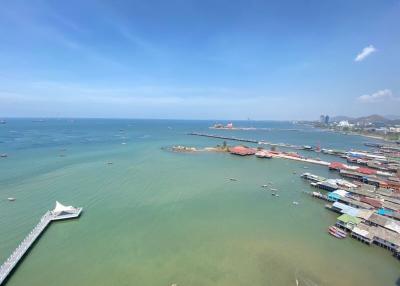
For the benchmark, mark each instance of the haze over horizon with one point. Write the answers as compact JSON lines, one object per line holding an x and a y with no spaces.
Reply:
{"x":199,"y":59}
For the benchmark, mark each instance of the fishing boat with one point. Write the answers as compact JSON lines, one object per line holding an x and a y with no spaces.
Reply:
{"x":337,"y":232}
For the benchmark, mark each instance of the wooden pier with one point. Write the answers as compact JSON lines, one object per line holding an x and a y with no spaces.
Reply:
{"x":224,"y":137}
{"x":261,"y":142}
{"x":57,"y":214}
{"x":280,"y":155}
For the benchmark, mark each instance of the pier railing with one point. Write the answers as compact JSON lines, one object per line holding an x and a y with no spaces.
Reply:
{"x":7,"y":267}
{"x":13,"y":259}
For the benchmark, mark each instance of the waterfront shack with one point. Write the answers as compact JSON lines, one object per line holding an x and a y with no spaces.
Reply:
{"x":337,"y":195}
{"x":355,"y":203}
{"x":347,"y":221}
{"x":385,"y":222}
{"x":378,"y":235}
{"x":362,"y":233}
{"x":386,"y":238}
{"x":328,"y":185}
{"x":242,"y":151}
{"x":312,"y":178}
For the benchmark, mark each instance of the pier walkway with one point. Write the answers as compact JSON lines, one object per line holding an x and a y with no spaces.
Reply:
{"x":281,"y":155}
{"x":59,"y":213}
{"x":262,"y":142}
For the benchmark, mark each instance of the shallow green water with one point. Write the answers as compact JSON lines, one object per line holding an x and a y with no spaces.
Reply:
{"x":156,"y":218}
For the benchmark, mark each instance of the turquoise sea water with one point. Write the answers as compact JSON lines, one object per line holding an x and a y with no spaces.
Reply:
{"x":155,"y":217}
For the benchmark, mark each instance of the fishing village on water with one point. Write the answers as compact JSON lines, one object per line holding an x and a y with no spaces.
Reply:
{"x":366,"y":198}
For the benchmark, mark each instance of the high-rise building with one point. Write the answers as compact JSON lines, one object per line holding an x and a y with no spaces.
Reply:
{"x":322,"y":118}
{"x":326,"y":119}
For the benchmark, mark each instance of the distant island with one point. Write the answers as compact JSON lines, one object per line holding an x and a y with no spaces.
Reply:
{"x":230,"y":126}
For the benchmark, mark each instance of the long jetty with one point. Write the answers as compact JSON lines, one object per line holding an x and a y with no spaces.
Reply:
{"x":7,"y":267}
{"x":244,"y":140}
{"x":282,"y":155}
{"x":223,"y":137}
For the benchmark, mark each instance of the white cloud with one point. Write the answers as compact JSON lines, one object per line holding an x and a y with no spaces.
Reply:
{"x":379,"y":96}
{"x":365,"y":53}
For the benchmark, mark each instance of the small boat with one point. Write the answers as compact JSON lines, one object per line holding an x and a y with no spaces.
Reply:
{"x":123,"y":143}
{"x":11,"y":199}
{"x":4,"y":155}
{"x":232,"y":179}
{"x":274,"y":190}
{"x":275,"y":194}
{"x":337,"y":232}
{"x":264,"y":186}
{"x":3,"y":122}
{"x":295,"y":203}
{"x":109,"y":163}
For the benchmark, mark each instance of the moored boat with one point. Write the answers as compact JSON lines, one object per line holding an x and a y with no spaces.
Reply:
{"x":337,"y":232}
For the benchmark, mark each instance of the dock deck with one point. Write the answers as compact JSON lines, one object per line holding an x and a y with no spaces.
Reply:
{"x":7,"y":267}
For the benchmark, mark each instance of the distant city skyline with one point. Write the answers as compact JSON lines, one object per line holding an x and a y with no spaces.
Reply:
{"x":277,"y":60}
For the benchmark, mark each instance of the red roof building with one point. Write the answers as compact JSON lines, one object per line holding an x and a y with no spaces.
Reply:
{"x":242,"y":151}
{"x":375,"y":203}
{"x":336,"y":166}
{"x":366,"y":171}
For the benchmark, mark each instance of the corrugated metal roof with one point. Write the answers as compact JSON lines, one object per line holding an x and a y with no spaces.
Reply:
{"x":346,"y":218}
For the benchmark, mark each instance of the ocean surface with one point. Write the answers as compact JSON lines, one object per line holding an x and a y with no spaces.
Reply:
{"x":155,"y":217}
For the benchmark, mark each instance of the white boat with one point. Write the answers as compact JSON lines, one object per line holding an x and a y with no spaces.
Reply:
{"x":11,"y":199}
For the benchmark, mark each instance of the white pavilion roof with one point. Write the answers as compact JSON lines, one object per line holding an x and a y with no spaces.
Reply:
{"x":59,"y":208}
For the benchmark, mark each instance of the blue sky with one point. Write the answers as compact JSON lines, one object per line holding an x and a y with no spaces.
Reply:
{"x":199,"y":59}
